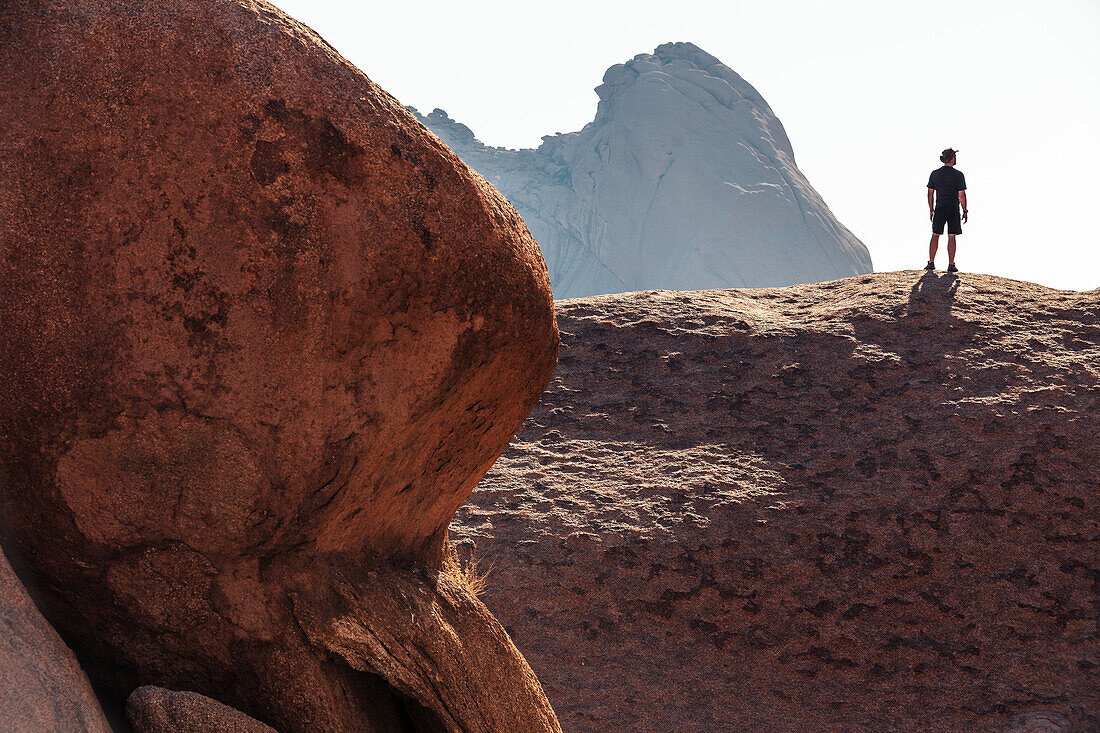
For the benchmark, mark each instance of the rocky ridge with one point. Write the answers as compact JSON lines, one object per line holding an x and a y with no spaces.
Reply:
{"x":868,"y":504}
{"x":685,"y":179}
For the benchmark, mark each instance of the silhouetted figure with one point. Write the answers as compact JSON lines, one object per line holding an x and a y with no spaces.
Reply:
{"x":948,"y":185}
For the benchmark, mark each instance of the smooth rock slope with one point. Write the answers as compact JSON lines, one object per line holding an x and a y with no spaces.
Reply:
{"x":869,"y":504}
{"x":156,"y":710}
{"x":262,"y":334}
{"x":42,"y":686}
{"x":684,"y":180}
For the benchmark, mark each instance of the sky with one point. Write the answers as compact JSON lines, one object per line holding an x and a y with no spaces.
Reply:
{"x":869,"y":92}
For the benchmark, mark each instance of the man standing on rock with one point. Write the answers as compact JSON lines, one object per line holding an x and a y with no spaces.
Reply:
{"x":949,"y":186}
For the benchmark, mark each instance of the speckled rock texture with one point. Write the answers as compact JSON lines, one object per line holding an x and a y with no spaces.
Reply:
{"x":42,"y":686}
{"x":259,"y":326}
{"x":862,"y":505}
{"x":156,"y":710}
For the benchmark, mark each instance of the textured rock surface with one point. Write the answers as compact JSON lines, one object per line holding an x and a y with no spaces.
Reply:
{"x":684,"y":180}
{"x":258,"y":325}
{"x":156,"y":710}
{"x":869,"y":504}
{"x":42,"y":687}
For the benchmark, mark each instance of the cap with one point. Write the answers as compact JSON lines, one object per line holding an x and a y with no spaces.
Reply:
{"x":947,"y":155}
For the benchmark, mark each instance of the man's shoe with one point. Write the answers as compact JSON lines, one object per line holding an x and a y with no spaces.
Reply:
{"x":930,"y":266}
{"x":952,"y":268}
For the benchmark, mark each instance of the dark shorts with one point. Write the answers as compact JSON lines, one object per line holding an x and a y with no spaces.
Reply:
{"x":949,"y":215}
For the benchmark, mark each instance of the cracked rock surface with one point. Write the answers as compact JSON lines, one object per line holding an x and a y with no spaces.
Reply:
{"x":260,"y":330}
{"x":868,"y":504}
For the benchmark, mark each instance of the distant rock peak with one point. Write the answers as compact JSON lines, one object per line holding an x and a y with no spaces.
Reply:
{"x":439,"y":118}
{"x":686,"y":51}
{"x":681,"y":53}
{"x":687,"y":63}
{"x":685,"y":179}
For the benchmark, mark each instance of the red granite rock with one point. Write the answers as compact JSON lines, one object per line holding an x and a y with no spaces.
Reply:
{"x":42,"y":686}
{"x":258,"y":323}
{"x":862,"y":505}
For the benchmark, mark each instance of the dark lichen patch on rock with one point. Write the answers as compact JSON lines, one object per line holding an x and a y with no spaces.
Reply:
{"x":284,"y":138}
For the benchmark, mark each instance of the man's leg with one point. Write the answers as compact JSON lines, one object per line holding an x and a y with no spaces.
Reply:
{"x":950,"y":249}
{"x":934,"y":245}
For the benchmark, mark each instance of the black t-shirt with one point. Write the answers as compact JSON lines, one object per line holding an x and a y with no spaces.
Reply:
{"x":947,"y":181}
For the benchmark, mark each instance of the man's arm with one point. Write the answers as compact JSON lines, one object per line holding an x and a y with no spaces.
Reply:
{"x":962,"y":201}
{"x":931,"y":207}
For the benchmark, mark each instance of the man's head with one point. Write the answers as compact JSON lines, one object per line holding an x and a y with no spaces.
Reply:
{"x":948,"y":157}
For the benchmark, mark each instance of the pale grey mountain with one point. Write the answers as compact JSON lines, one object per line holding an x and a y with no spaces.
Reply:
{"x":685,"y":180}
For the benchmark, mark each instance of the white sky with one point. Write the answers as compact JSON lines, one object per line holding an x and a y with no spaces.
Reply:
{"x":869,"y":91}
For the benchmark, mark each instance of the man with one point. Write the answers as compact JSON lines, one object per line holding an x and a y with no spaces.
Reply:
{"x":949,"y":187}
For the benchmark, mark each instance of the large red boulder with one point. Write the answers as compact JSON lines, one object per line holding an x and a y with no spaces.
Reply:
{"x":257,"y":323}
